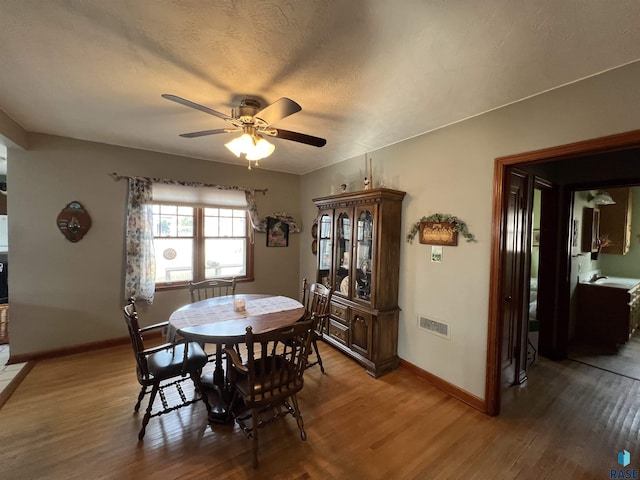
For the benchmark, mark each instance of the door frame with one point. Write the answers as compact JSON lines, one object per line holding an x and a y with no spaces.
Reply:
{"x":500,"y":182}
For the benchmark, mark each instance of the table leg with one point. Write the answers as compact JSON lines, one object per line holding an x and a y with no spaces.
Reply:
{"x":220,"y":409}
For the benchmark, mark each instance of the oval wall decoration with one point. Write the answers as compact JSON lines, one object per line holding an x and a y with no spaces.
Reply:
{"x":74,"y":222}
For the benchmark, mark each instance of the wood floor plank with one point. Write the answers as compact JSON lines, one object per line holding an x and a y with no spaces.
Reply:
{"x":72,"y":417}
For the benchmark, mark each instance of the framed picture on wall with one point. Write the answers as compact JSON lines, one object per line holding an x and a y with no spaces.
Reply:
{"x":277,"y":233}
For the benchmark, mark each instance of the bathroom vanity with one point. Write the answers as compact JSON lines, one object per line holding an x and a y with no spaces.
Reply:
{"x":608,"y":310}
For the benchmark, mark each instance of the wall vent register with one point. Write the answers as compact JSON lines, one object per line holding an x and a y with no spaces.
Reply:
{"x":436,"y":327}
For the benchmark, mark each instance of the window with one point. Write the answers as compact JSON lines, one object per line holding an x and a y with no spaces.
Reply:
{"x":197,"y":243}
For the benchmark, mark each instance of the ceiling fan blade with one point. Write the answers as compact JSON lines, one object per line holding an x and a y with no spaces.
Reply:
{"x":299,"y":137}
{"x":197,"y":106}
{"x":277,"y":111}
{"x":210,"y":132}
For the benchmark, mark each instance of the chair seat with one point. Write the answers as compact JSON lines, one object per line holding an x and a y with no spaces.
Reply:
{"x":169,"y":363}
{"x":270,"y":384}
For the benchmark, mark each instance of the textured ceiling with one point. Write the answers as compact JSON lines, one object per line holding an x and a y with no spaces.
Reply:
{"x":367,"y":73}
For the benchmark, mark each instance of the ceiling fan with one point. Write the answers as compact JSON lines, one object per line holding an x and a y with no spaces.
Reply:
{"x":254,"y":122}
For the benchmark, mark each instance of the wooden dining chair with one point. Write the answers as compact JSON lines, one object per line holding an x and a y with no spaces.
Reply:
{"x":269,"y":378}
{"x":161,"y":367}
{"x":211,"y":288}
{"x":316,"y":299}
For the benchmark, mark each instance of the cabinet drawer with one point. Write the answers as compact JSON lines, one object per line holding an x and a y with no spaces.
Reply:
{"x":338,"y":311}
{"x":339,"y":332}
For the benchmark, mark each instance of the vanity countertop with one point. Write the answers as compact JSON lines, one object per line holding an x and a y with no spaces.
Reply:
{"x":615,"y":282}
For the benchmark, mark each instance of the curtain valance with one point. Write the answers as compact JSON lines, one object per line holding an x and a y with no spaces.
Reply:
{"x":173,"y":194}
{"x":165,"y":190}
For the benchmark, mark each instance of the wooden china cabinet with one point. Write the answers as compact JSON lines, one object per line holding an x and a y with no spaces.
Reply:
{"x":359,"y":256}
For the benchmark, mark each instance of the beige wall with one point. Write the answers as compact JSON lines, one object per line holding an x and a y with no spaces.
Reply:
{"x":63,"y":293}
{"x":451,"y":171}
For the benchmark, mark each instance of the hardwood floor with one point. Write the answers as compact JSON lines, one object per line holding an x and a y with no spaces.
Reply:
{"x":625,"y":360}
{"x":72,"y":417}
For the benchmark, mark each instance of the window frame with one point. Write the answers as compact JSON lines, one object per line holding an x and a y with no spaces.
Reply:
{"x":199,"y":248}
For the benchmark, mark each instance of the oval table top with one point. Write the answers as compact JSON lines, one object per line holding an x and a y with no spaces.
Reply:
{"x":215,"y":321}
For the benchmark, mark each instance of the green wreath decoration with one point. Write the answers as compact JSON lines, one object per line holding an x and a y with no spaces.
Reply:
{"x":459,"y":226}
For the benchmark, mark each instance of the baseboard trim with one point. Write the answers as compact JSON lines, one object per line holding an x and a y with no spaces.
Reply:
{"x":448,"y":388}
{"x":6,"y":392}
{"x":71,"y":350}
{"x":61,"y":352}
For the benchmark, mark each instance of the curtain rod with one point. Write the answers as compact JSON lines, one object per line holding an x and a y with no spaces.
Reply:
{"x":117,"y":177}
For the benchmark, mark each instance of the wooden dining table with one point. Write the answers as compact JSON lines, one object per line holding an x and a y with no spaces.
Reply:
{"x":216,"y":321}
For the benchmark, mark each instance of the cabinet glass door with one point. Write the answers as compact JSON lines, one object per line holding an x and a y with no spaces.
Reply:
{"x":363,"y":255}
{"x":324,"y":250}
{"x":343,"y":254}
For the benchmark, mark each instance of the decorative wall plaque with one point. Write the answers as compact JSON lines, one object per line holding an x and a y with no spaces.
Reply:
{"x":74,"y":221}
{"x":438,"y":233}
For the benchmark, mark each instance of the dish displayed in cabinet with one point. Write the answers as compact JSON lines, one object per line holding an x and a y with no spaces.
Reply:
{"x":344,"y":285}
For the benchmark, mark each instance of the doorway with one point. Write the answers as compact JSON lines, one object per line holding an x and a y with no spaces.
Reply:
{"x":577,"y":161}
{"x":527,"y":274}
{"x":4,"y":256}
{"x":533,"y":318}
{"x":4,"y":252}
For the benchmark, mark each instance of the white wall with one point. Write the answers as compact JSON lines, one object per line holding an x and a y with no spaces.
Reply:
{"x":63,"y":294}
{"x":451,"y":171}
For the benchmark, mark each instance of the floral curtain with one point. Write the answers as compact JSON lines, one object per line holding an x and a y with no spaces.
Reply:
{"x":140,"y":258}
{"x":253,"y":211}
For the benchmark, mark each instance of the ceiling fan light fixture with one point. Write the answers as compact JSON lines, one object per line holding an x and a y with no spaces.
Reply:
{"x":241,"y":144}
{"x":253,"y":120}
{"x":261,"y":149}
{"x":252,"y":145}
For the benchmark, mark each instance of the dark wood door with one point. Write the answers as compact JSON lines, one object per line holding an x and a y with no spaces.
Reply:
{"x":552,"y":239}
{"x":514,"y":272}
